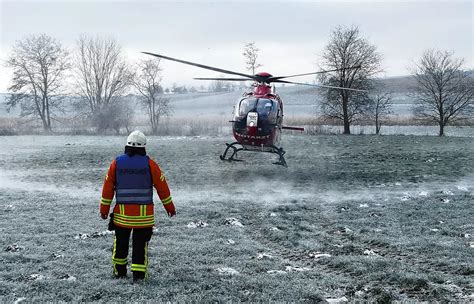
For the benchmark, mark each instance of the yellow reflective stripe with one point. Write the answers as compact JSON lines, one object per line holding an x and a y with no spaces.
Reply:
{"x":113,"y":255}
{"x":142,"y":210}
{"x":105,"y":201}
{"x":138,"y":267}
{"x":120,"y":261}
{"x":134,"y":217}
{"x":122,"y":209}
{"x":134,"y":223}
{"x":130,"y":223}
{"x":146,"y":259}
{"x":115,"y":246}
{"x":167,"y":200}
{"x":162,"y":177}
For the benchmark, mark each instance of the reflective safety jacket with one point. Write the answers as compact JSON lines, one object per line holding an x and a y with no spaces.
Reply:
{"x":131,"y":181}
{"x":133,"y":184}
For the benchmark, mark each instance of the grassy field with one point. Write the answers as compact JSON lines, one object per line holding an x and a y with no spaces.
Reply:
{"x":353,"y":218}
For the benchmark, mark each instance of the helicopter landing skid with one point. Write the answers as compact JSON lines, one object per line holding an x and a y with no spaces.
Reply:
{"x":281,"y":161}
{"x":234,"y":152}
{"x":236,"y":147}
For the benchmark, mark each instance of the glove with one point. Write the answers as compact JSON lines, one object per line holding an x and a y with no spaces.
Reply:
{"x":170,"y":209}
{"x":111,"y":223}
{"x":103,"y":216}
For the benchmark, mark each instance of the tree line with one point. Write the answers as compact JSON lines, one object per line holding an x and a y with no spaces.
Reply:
{"x":103,"y":80}
{"x":444,"y":91}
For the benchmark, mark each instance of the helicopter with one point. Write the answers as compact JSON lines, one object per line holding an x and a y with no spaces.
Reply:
{"x":257,"y":121}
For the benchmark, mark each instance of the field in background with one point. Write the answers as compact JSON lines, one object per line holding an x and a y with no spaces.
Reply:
{"x":352,"y":218}
{"x":220,"y":126}
{"x":209,"y":114}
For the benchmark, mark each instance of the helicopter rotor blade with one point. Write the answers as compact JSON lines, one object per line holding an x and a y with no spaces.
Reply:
{"x":200,"y":65}
{"x":314,"y":73}
{"x":224,"y":79}
{"x":319,"y":85}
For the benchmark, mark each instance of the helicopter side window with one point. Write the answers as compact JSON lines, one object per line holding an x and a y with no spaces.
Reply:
{"x":267,"y":109}
{"x":264,"y":107}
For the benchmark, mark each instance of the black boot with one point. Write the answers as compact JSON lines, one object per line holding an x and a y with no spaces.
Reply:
{"x":120,"y":271}
{"x":138,"y":276}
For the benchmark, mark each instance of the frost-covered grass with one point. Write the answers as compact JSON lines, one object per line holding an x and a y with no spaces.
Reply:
{"x":353,"y":218}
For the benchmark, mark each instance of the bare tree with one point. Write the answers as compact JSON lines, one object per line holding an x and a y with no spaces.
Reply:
{"x":347,"y":49}
{"x":102,"y":75}
{"x":39,"y":64}
{"x":251,"y":54}
{"x":445,"y":91}
{"x":217,"y":86}
{"x":115,"y":116}
{"x":379,"y":106}
{"x":147,"y":83}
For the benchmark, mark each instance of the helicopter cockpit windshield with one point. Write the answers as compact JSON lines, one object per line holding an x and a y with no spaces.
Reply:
{"x":266,"y":108}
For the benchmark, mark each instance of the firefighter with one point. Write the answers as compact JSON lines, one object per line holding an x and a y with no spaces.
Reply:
{"x":131,"y":178}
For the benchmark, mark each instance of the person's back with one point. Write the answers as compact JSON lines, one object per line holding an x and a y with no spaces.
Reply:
{"x":131,"y":178}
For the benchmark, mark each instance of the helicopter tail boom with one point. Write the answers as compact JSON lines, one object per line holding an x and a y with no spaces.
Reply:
{"x":293,"y":128}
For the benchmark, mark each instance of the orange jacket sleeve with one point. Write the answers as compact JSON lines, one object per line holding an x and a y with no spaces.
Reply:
{"x":108,"y":190}
{"x":160,"y":184}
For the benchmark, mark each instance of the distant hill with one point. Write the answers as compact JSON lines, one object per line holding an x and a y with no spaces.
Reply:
{"x":298,"y":101}
{"x":398,"y":84}
{"x":404,"y":84}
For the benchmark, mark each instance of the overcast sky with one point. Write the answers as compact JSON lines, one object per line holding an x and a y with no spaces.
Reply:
{"x":290,"y":35}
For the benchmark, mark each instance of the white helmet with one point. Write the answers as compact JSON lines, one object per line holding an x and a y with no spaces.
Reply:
{"x":136,"y":139}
